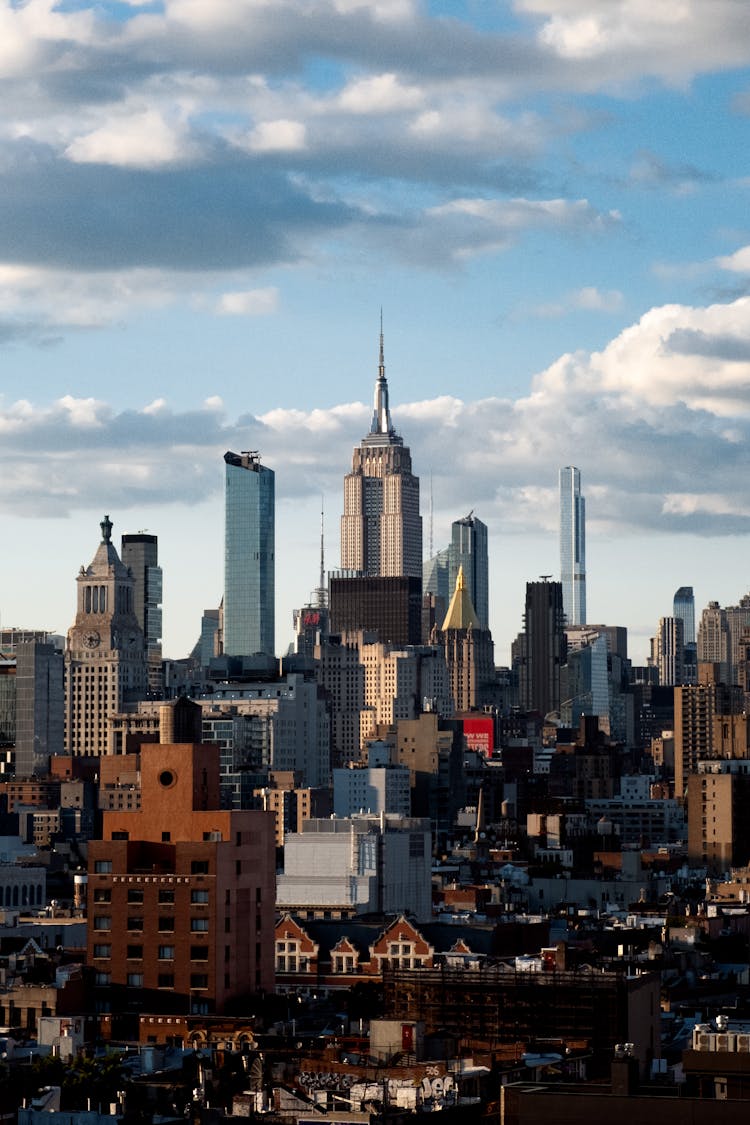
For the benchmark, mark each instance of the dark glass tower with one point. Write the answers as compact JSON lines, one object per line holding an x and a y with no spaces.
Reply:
{"x":249,"y":556}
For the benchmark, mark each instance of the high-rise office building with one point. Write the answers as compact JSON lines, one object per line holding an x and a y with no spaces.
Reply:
{"x":390,"y":607}
{"x":684,"y":608}
{"x":40,"y":707}
{"x":668,"y":651}
{"x":140,"y":552}
{"x":540,"y":651}
{"x":468,"y":649}
{"x":249,"y":556}
{"x":381,"y":528}
{"x":468,"y":553}
{"x":105,"y":656}
{"x":573,"y":546}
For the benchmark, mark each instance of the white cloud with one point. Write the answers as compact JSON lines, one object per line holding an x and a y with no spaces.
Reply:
{"x":251,"y":302}
{"x":282,"y":135}
{"x":142,"y":139}
{"x":738,"y":262}
{"x":382,"y":93}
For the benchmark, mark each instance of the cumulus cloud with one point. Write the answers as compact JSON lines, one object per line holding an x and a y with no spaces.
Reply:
{"x":642,"y":417}
{"x":251,"y":302}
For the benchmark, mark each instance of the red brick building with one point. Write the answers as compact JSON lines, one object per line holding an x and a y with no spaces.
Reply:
{"x":181,"y":894}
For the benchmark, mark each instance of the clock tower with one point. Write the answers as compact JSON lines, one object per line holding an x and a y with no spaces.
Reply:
{"x":105,"y":655}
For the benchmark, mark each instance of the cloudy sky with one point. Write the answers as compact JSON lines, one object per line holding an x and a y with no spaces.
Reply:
{"x":205,"y":203}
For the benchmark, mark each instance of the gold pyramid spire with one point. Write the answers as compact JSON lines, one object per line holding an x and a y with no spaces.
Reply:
{"x":461,"y":613}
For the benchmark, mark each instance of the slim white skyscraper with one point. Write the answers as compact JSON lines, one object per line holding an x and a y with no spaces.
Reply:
{"x":573,"y":546}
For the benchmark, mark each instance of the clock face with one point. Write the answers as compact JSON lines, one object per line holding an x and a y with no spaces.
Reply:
{"x":91,"y":639}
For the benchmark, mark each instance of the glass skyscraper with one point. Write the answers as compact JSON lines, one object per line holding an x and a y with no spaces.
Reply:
{"x":572,"y":546}
{"x":468,"y":552}
{"x":249,"y":556}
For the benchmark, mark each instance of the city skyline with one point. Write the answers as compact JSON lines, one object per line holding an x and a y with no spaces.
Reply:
{"x":205,"y":206}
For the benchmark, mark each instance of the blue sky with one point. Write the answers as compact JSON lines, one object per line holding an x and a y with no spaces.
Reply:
{"x":205,"y":203}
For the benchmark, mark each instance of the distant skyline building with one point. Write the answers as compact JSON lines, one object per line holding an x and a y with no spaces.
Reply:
{"x":573,"y":546}
{"x":669,"y":651}
{"x":39,"y":707}
{"x":105,"y":655}
{"x":683,"y":606}
{"x":140,"y":552}
{"x":468,"y":552}
{"x":381,"y":528}
{"x":249,"y":556}
{"x":540,"y":651}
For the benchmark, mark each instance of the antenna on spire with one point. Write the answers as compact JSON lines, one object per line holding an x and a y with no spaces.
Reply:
{"x":381,"y":358}
{"x":322,"y":587}
{"x":431,"y":554}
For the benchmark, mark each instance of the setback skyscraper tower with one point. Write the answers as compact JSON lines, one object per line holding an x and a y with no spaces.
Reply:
{"x":381,"y":528}
{"x":249,"y":556}
{"x":573,"y":546}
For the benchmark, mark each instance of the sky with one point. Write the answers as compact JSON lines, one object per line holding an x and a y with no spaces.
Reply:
{"x":204,"y":205}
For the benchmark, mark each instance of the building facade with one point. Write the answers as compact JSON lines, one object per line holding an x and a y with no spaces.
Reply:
{"x":181,"y":893}
{"x":140,"y":553}
{"x":39,"y":707}
{"x":573,"y":546}
{"x":381,"y":528}
{"x":249,"y":556}
{"x":105,"y":656}
{"x":469,"y":554}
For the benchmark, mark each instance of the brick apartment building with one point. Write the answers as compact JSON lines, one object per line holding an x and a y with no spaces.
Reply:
{"x":181,"y":894}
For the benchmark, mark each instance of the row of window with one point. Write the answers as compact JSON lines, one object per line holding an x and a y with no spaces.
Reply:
{"x":103,"y":951}
{"x":163,"y":980}
{"x":197,"y":867}
{"x":165,"y":897}
{"x":165,"y":925}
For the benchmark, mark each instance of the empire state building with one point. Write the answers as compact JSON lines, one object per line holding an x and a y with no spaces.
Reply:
{"x":381,"y":528}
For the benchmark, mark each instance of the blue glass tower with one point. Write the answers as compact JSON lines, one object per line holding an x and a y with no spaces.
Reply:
{"x":573,"y":546}
{"x":249,"y":556}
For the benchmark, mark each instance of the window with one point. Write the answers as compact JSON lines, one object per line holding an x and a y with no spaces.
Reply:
{"x":135,"y":980}
{"x":102,"y":922}
{"x":102,"y":951}
{"x":135,"y":953}
{"x":199,"y":896}
{"x":166,"y":837}
{"x":166,"y":897}
{"x":102,"y":895}
{"x":102,"y":866}
{"x":166,"y":923}
{"x":199,"y":980}
{"x":166,"y":952}
{"x":135,"y":895}
{"x":102,"y":978}
{"x":199,"y":867}
{"x":135,"y":922}
{"x":199,"y":953}
{"x":198,"y":924}
{"x":165,"y":980}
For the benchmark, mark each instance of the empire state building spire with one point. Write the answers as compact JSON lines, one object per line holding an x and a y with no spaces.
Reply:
{"x":381,"y":415}
{"x":381,"y":528}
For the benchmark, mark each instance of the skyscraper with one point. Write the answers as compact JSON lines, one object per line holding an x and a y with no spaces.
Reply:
{"x":468,"y":553}
{"x":249,"y":556}
{"x":573,"y":546}
{"x":381,"y":528}
{"x":684,"y":608}
{"x":140,"y":552}
{"x":105,"y":657}
{"x":541,"y":649}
